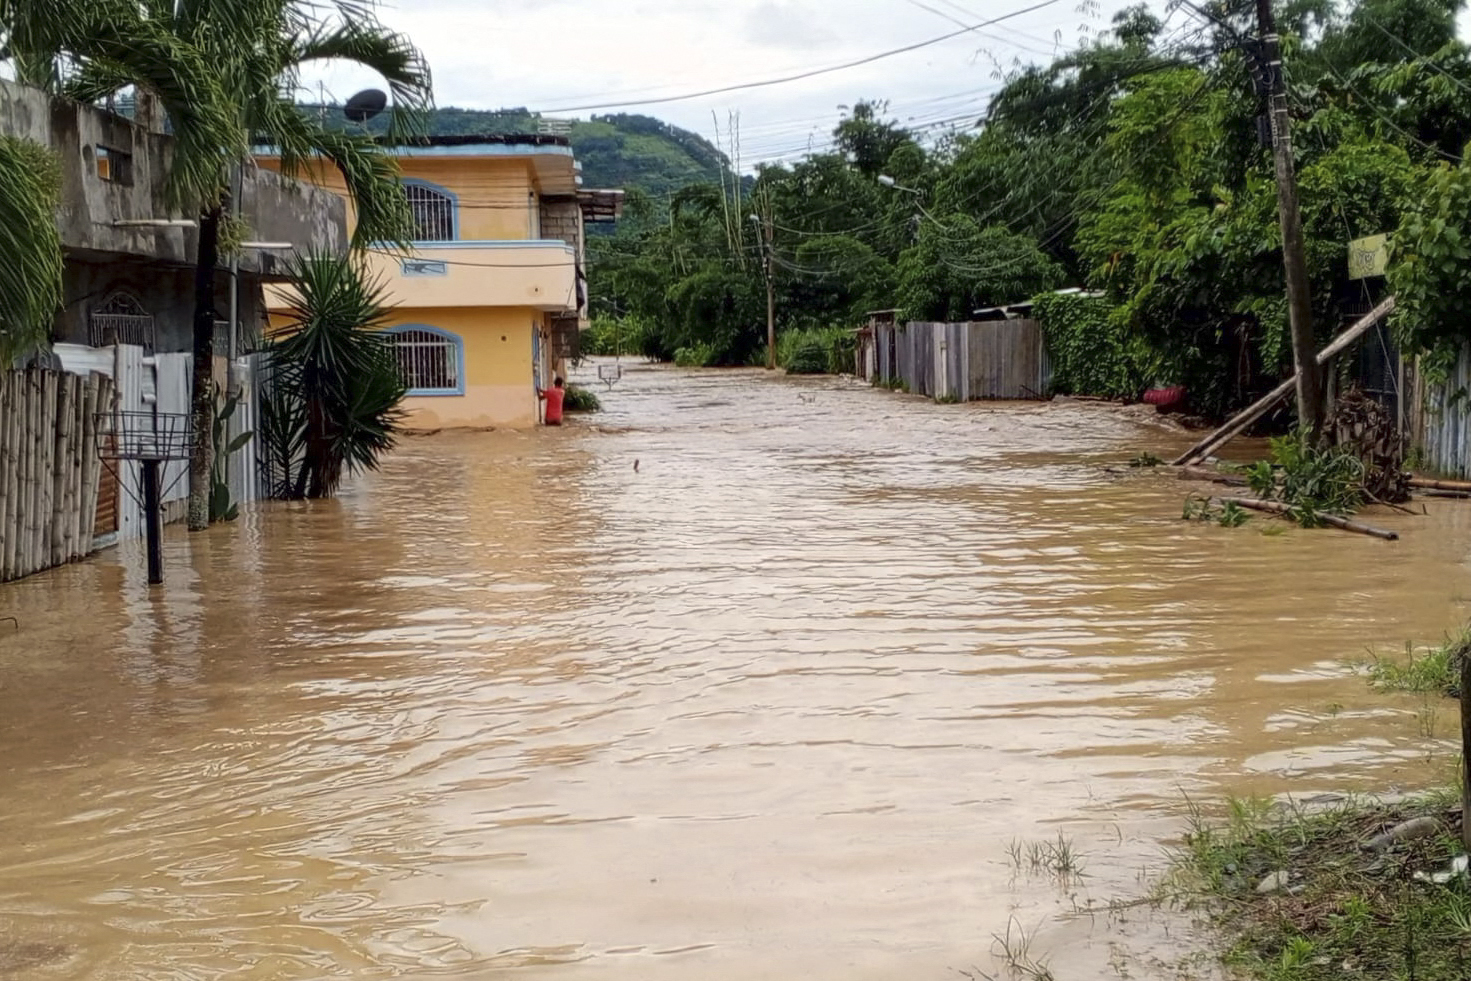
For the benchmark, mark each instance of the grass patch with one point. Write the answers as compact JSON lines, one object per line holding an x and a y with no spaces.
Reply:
{"x":1434,"y":669}
{"x":1340,"y":910}
{"x":1058,"y":857}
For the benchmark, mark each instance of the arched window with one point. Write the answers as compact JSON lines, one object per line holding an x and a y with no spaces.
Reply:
{"x":430,"y":361}
{"x":121,"y":319}
{"x":435,"y":209}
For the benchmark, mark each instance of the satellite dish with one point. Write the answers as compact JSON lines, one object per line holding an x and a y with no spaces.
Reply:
{"x":365,"y":105}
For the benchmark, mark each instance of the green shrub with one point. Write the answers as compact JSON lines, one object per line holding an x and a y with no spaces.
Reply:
{"x":1091,"y":350}
{"x":810,"y":358}
{"x":695,"y":356}
{"x":610,"y":336}
{"x":1309,"y":480}
{"x":579,"y":399}
{"x":827,"y":350}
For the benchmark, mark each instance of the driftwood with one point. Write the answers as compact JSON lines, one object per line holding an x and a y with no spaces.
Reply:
{"x":1427,"y":483}
{"x":1238,"y":423}
{"x":1333,"y":520}
{"x":1214,"y":476}
{"x":1362,"y":425}
{"x":1452,"y":494}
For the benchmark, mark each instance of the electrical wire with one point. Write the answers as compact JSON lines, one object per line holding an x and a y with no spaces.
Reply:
{"x":815,"y":72}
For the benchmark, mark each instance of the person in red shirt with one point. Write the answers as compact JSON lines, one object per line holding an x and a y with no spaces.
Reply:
{"x":553,"y":397}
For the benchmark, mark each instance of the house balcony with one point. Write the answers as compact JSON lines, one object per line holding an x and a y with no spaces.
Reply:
{"x":537,"y":273}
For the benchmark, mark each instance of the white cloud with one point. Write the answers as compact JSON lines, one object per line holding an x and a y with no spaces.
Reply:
{"x":788,"y":24}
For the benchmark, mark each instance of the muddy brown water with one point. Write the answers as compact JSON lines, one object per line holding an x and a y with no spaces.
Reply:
{"x":772,"y":704}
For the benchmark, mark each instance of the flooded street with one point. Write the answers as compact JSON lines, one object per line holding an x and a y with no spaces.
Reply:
{"x":743,"y":678}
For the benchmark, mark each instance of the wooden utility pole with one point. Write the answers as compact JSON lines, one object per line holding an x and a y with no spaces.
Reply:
{"x":1294,"y":261}
{"x":768,"y":234}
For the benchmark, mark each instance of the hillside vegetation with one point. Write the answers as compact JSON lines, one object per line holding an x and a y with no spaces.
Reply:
{"x":619,"y":150}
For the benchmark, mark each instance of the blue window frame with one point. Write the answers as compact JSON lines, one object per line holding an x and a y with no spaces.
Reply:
{"x":436,"y":211}
{"x":430,"y":361}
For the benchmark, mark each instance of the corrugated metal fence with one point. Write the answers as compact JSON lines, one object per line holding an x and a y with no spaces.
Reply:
{"x":1440,"y":420}
{"x":49,"y":467}
{"x":989,"y":359}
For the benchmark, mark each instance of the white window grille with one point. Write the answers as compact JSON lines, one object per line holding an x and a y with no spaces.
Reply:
{"x":434,"y":213}
{"x":428,"y":361}
{"x":121,"y":319}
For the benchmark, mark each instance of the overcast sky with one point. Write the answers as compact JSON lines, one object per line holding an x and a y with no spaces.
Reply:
{"x":559,"y":56}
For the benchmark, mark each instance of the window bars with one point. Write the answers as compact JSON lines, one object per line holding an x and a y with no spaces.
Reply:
{"x":434,"y":213}
{"x":121,"y":319}
{"x":427,"y":362}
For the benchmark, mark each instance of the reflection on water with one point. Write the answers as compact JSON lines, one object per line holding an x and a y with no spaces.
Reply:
{"x":771,"y":704}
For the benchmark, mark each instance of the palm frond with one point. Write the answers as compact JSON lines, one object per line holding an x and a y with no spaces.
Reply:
{"x":371,"y":175}
{"x":31,"y":273}
{"x":207,"y":129}
{"x":391,"y":55}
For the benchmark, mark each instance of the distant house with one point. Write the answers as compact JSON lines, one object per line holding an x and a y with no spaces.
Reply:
{"x":488,"y":305}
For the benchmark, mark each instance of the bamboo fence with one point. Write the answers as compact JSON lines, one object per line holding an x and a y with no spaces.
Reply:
{"x":50,"y":471}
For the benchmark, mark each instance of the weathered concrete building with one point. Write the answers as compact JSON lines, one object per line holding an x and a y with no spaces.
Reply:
{"x":129,"y":273}
{"x":128,"y":305}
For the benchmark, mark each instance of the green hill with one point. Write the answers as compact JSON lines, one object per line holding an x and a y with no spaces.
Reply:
{"x":619,"y":150}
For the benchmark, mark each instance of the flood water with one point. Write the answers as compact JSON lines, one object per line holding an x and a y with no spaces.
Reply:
{"x":744,"y":678}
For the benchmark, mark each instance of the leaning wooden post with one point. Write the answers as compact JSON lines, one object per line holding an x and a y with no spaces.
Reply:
{"x":1463,"y":652}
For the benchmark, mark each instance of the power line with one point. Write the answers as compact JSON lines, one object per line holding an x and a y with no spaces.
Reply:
{"x":1418,"y":55}
{"x":956,"y":20}
{"x":813,"y":73}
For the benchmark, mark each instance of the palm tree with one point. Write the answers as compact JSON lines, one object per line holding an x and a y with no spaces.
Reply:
{"x":330,"y":404}
{"x":225,"y":72}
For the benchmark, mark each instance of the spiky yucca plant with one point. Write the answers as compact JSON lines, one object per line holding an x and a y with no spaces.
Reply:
{"x":331,"y":402}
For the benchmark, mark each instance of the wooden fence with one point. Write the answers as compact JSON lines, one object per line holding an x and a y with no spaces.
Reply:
{"x":988,"y":359}
{"x":50,"y":470}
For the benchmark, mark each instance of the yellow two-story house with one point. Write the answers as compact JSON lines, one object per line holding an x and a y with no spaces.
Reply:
{"x":488,"y":304}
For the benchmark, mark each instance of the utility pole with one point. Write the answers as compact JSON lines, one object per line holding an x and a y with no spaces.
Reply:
{"x":768,"y":234}
{"x":1294,"y":261}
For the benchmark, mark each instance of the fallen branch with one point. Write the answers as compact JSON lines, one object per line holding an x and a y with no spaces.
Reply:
{"x":1427,"y":483}
{"x":1282,"y":510}
{"x":1214,"y":476}
{"x":1238,"y":423}
{"x":1435,"y":492}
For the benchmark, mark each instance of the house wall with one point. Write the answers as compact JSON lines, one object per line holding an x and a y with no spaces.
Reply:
{"x":496,"y":198}
{"x":276,"y":209}
{"x":498,"y":368}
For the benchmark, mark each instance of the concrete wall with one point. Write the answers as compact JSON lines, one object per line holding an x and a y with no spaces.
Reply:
{"x":275,"y":209}
{"x":166,"y":292}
